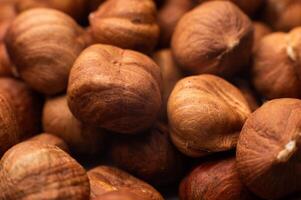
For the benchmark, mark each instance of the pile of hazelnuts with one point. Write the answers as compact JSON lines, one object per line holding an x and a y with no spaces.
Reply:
{"x":150,"y":99}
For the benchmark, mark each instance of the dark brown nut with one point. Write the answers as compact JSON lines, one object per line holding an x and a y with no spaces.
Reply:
{"x":215,"y":37}
{"x":130,"y":26}
{"x":150,"y":156}
{"x":43,"y":44}
{"x":104,"y":179}
{"x":205,"y":115}
{"x":6,"y":66}
{"x":120,"y":195}
{"x":168,"y":17}
{"x":115,"y":89}
{"x":283,"y":14}
{"x":171,"y":74}
{"x":49,"y":139}
{"x":269,"y":149}
{"x":35,"y":171}
{"x":20,"y":113}
{"x":214,"y":181}
{"x":58,"y":120}
{"x":276,"y":71}
{"x":260,"y":30}
{"x":248,"y":92}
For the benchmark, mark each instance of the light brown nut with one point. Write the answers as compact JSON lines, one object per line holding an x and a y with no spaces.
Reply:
{"x":205,"y":115}
{"x":43,"y":44}
{"x":260,"y":30}
{"x":50,"y":139}
{"x":115,"y":89}
{"x":130,"y":26}
{"x":269,"y":149}
{"x":215,"y":37}
{"x":31,"y":170}
{"x":120,"y":195}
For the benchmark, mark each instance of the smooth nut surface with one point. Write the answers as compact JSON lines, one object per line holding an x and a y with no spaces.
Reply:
{"x":260,"y":30}
{"x":206,"y":114}
{"x":115,"y":89}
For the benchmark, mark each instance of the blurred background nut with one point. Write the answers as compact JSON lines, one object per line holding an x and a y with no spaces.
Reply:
{"x":49,"y":139}
{"x":104,"y":179}
{"x":32,"y":170}
{"x":216,"y":37}
{"x":43,"y":44}
{"x":7,"y":14}
{"x":127,"y":24}
{"x":260,"y":30}
{"x":268,"y":150}
{"x":205,"y":115}
{"x":58,"y":120}
{"x":116,"y":89}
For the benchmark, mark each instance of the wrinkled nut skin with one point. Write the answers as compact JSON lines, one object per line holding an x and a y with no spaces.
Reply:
{"x":214,"y":180}
{"x":58,"y":120}
{"x":150,"y":156}
{"x":35,"y":171}
{"x":216,"y":37}
{"x":205,"y":115}
{"x":43,"y":44}
{"x":20,"y":112}
{"x":116,"y":89}
{"x":49,"y":139}
{"x":132,"y":26}
{"x":120,"y":195}
{"x":268,"y":151}
{"x":171,"y":74}
{"x":104,"y":179}
{"x":260,"y":30}
{"x":276,"y":72}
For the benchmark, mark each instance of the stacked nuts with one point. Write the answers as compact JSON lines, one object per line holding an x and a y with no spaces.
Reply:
{"x":150,"y":99}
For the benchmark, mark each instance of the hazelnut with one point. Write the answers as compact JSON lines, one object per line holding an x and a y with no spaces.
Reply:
{"x":276,"y":70}
{"x":120,"y":195}
{"x":171,"y":74}
{"x":7,"y":14}
{"x":215,"y":37}
{"x":150,"y":156}
{"x":49,"y":139}
{"x":104,"y":179}
{"x":260,"y":30}
{"x":32,"y":170}
{"x":43,"y":44}
{"x":6,"y":67}
{"x":130,"y":25}
{"x":205,"y":115}
{"x":115,"y":89}
{"x":81,"y":138}
{"x":268,"y":150}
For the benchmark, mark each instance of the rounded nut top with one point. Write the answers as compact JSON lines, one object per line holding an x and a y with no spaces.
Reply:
{"x":206,"y":114}
{"x":50,"y":139}
{"x":130,"y":25}
{"x":215,"y":37}
{"x":115,"y":89}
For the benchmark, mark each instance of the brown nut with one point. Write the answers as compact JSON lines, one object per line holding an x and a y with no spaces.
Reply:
{"x":205,"y":115}
{"x":130,"y":26}
{"x":171,"y":74}
{"x":215,"y":37}
{"x":58,"y":120}
{"x":269,"y":149}
{"x":276,"y":71}
{"x":7,"y":14}
{"x":43,"y":44}
{"x":49,"y":139}
{"x":35,"y":171}
{"x":6,"y":66}
{"x":104,"y":179}
{"x":94,"y":4}
{"x":150,"y":156}
{"x":120,"y":195}
{"x":214,"y":180}
{"x":115,"y":89}
{"x":20,"y":113}
{"x":260,"y":30}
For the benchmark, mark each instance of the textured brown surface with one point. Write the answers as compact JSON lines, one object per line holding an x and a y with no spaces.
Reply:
{"x":31,"y":170}
{"x":268,"y":150}
{"x":206,"y":114}
{"x":215,"y":37}
{"x":104,"y":179}
{"x":260,"y":30}
{"x":131,"y":27}
{"x":119,"y":195}
{"x":50,"y":139}
{"x":115,"y":89}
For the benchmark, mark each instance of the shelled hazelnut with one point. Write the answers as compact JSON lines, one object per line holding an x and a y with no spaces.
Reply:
{"x":260,"y":30}
{"x":120,"y":195}
{"x":7,"y":14}
{"x":50,"y":139}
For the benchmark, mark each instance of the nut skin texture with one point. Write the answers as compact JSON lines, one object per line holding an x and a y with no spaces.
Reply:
{"x":116,"y":89}
{"x":58,"y":120}
{"x":20,"y":113}
{"x":49,"y":139}
{"x":214,"y":180}
{"x":216,"y":37}
{"x":260,"y":30}
{"x":150,"y":156}
{"x":104,"y":179}
{"x":275,"y":71}
{"x":43,"y":44}
{"x":132,"y":26}
{"x":35,"y":171}
{"x":206,"y":114}
{"x":120,"y":195}
{"x":268,"y":152}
